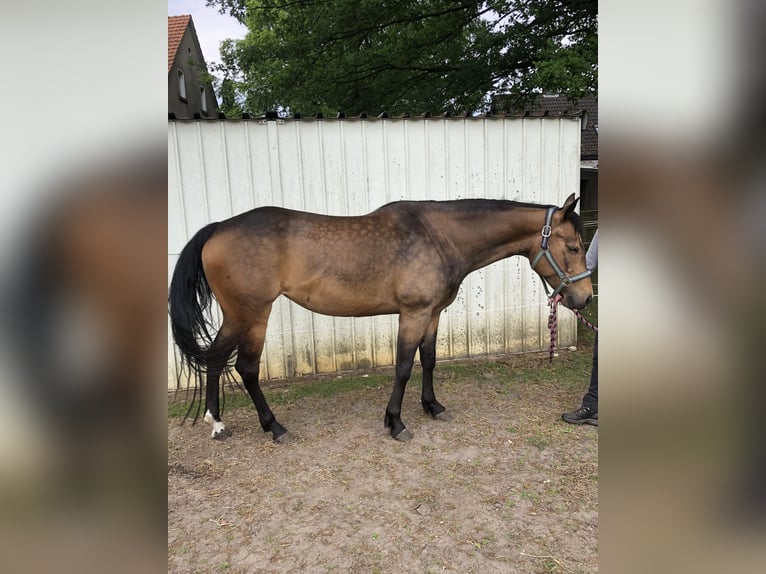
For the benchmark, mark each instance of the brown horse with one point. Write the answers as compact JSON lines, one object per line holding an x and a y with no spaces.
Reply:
{"x":408,"y":257}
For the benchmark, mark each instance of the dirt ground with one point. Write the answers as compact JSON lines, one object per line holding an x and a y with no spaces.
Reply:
{"x":505,"y":486}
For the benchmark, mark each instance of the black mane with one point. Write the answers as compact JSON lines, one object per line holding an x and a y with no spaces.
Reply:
{"x":507,"y":204}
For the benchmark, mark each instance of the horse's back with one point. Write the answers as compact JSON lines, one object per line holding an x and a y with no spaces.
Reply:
{"x":352,"y":265}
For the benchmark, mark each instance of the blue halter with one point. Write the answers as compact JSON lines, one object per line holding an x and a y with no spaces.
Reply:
{"x":564,"y":279}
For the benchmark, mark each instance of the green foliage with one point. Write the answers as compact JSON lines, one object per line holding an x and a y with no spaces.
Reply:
{"x":413,"y":56}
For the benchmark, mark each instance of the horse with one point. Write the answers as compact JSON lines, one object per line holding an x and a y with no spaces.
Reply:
{"x":407,"y":258}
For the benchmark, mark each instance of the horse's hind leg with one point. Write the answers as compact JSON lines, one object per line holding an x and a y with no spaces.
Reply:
{"x":428,"y":360}
{"x":216,"y":358}
{"x":248,"y":367}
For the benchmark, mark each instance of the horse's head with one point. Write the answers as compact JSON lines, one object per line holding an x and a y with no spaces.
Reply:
{"x":560,"y":256}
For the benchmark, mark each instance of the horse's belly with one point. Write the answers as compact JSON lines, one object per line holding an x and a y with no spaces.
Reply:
{"x":331,"y":298}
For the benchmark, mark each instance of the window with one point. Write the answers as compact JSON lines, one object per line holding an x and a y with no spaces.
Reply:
{"x":181,"y":85}
{"x":203,"y":99}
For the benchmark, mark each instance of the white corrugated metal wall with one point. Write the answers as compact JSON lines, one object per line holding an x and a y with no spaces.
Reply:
{"x":352,"y":166}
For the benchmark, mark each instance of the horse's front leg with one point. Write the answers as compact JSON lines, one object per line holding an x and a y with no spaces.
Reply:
{"x":428,"y":360}
{"x":411,"y":329}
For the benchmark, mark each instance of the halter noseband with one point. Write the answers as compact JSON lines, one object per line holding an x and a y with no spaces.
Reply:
{"x":564,"y":279}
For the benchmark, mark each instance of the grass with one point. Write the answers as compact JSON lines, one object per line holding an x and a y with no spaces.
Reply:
{"x":528,"y":495}
{"x":296,"y":390}
{"x":482,"y":542}
{"x":539,"y":440}
{"x":568,"y":370}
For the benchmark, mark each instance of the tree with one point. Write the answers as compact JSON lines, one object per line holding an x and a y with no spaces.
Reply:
{"x":413,"y":56}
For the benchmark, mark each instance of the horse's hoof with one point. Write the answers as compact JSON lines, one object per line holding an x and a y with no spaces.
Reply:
{"x":221,"y":434}
{"x":404,"y":436}
{"x":284,"y":438}
{"x":443,"y":416}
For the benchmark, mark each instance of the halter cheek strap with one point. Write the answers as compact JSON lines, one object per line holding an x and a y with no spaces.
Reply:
{"x":564,"y":279}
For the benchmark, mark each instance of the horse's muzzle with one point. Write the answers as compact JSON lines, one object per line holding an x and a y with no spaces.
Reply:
{"x":576,"y":300}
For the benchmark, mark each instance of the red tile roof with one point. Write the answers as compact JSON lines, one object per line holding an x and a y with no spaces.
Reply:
{"x":176,"y":28}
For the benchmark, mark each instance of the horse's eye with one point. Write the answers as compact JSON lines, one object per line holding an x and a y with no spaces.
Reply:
{"x":573,"y":249}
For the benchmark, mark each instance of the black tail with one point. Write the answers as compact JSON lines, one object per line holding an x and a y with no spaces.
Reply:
{"x":189,"y":302}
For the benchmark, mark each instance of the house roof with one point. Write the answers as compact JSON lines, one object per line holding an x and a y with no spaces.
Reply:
{"x":176,"y":27}
{"x":556,"y":104}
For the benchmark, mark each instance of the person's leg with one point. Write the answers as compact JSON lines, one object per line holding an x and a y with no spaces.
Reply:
{"x":590,"y":400}
{"x":587,"y":413}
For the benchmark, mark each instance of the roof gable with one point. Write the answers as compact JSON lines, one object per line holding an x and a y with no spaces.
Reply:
{"x":176,"y":28}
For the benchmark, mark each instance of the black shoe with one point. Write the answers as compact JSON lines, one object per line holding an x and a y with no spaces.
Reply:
{"x":583,"y":415}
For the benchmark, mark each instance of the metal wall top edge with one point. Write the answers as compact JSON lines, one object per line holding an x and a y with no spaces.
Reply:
{"x":527,"y":115}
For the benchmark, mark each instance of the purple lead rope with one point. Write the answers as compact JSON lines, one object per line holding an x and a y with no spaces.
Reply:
{"x":553,"y":324}
{"x":584,"y":320}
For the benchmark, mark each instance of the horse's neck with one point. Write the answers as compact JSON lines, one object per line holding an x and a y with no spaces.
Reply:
{"x":494,"y":235}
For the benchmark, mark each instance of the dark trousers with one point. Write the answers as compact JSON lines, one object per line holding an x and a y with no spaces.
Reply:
{"x":590,"y":400}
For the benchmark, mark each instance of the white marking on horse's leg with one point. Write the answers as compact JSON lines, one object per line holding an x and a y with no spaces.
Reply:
{"x":219,"y":429}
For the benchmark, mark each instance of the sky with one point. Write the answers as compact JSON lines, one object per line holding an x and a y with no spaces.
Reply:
{"x":212,"y":28}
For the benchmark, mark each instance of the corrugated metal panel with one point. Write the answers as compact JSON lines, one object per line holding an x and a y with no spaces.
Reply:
{"x":350,"y":167}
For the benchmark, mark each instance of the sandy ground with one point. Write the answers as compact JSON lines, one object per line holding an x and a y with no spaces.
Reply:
{"x":505,"y":486}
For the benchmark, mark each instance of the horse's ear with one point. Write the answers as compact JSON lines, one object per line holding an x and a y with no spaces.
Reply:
{"x":569,"y":205}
